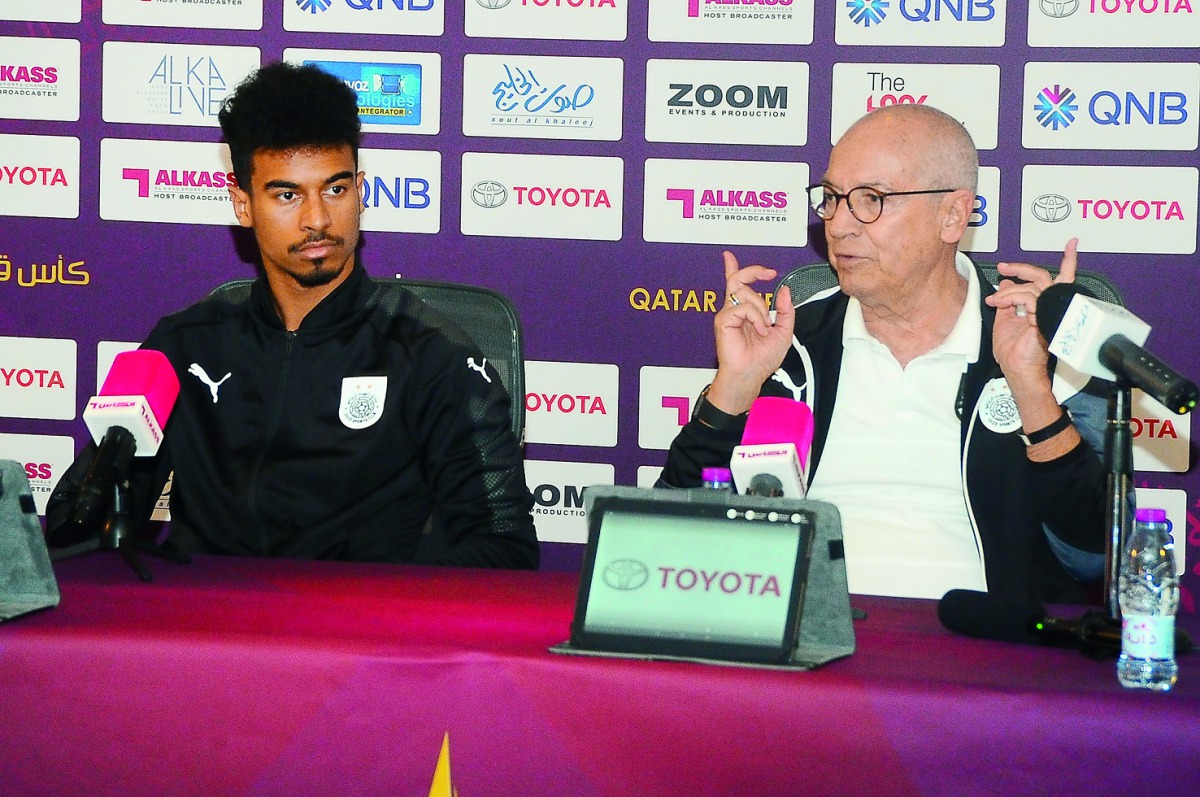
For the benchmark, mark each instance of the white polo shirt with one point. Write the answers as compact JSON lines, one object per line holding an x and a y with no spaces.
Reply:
{"x":891,"y":462}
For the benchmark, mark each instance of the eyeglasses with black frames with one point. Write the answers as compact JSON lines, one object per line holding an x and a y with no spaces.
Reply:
{"x":865,"y":203}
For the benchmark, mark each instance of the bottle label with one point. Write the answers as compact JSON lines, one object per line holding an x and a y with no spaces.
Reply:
{"x":1148,"y":636}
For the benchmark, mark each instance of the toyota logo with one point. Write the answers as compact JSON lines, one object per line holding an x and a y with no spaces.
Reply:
{"x":1058,"y":9}
{"x":626,"y":574}
{"x":488,"y":194}
{"x":1050,"y":208}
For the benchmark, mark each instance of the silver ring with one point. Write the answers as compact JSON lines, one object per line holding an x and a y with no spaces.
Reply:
{"x":734,"y":300}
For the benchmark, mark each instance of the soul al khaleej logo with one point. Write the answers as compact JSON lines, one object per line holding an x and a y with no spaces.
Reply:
{"x":441,"y":785}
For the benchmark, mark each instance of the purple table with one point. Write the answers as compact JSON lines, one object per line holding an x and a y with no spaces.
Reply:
{"x":233,"y":676}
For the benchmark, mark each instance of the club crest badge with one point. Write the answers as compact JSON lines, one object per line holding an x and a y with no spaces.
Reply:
{"x":362,"y":401}
{"x":998,"y":408}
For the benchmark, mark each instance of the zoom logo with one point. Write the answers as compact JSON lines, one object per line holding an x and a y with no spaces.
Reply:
{"x":626,"y":574}
{"x":1050,"y":208}
{"x":488,"y":194}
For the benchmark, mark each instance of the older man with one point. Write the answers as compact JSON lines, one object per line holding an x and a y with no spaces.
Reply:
{"x":912,"y":371}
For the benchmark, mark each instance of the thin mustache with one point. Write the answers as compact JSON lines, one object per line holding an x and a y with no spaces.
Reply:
{"x":319,"y":238}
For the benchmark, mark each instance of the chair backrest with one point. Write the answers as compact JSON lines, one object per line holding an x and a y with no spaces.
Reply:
{"x":491,"y":320}
{"x":488,"y":317}
{"x":806,"y":281}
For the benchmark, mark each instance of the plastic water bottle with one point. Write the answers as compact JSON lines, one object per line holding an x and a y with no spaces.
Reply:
{"x":717,"y":479}
{"x":1149,"y":597}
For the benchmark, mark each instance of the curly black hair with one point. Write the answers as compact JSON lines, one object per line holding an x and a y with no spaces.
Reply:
{"x":284,"y":106}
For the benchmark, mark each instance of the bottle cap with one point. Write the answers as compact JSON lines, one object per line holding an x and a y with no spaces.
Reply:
{"x":716,"y":475}
{"x":1148,"y":515}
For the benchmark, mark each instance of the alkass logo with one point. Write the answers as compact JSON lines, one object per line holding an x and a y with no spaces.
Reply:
{"x":12,"y":73}
{"x":721,"y":9}
{"x":718,"y":203}
{"x":168,"y":183}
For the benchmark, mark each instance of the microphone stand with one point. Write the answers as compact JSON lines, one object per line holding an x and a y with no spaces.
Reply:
{"x":116,"y":534}
{"x":1118,"y":466}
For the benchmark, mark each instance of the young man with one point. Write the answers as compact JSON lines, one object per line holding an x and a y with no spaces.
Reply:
{"x":322,"y":415}
{"x":913,"y":370}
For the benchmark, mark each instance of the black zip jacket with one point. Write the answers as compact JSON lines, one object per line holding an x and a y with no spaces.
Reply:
{"x":265,"y":465}
{"x":1030,"y":519}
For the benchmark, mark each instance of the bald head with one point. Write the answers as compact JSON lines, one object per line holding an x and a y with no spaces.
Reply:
{"x":938,"y":148}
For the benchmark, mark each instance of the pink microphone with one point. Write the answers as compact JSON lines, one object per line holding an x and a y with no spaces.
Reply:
{"x":138,"y":395}
{"x":773,"y":457}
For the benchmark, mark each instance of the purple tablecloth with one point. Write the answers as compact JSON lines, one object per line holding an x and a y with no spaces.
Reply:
{"x":232,"y":676}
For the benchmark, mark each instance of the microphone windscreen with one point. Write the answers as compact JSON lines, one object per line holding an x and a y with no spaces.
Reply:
{"x":989,"y":616}
{"x":1052,"y":306}
{"x":773,"y":419}
{"x":144,"y":372}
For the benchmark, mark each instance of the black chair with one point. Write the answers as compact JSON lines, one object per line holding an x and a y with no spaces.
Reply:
{"x":488,"y":317}
{"x":806,"y":281}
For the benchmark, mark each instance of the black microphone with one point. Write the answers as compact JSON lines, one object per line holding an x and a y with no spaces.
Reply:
{"x":1102,"y":339}
{"x":1006,"y":618}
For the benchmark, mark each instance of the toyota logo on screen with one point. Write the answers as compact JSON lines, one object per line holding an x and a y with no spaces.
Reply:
{"x":626,"y":574}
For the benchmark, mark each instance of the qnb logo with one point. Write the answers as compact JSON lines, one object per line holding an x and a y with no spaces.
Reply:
{"x":1127,"y":209}
{"x":318,"y":6}
{"x":549,"y":499}
{"x":868,"y":12}
{"x":565,"y":403}
{"x":1056,"y":107}
{"x":714,"y":200}
{"x":728,"y":582}
{"x":1058,"y":9}
{"x":489,"y":194}
{"x":32,"y":175}
{"x":409,"y":193}
{"x":32,"y":377}
{"x":562,"y":197}
{"x":1161,"y":108}
{"x":780,"y":7}
{"x":938,"y":10}
{"x":1050,"y":208}
{"x":766,"y":100}
{"x":10,"y":73}
{"x":1157,"y":428}
{"x":1139,"y":6}
{"x":625,"y":574}
{"x":979,"y":213}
